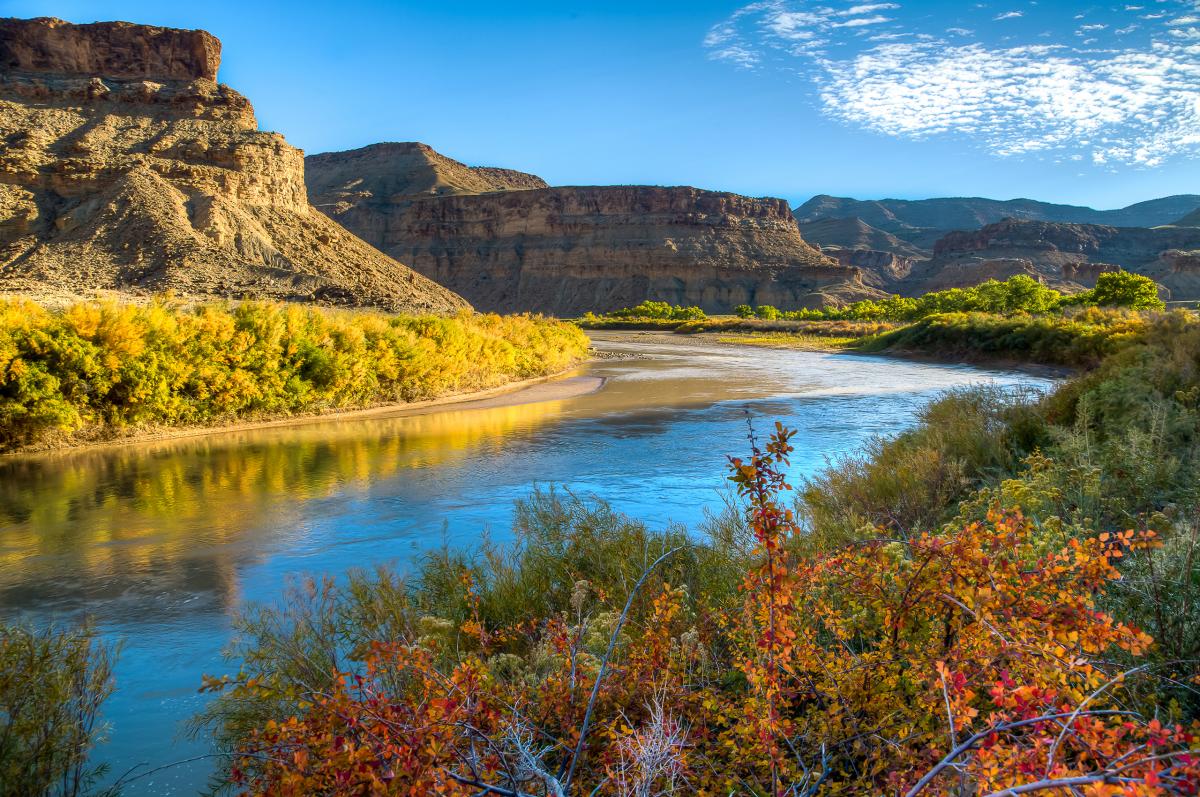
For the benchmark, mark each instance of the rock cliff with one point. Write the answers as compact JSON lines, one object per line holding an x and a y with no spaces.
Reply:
{"x":1067,"y":255}
{"x":507,"y":243}
{"x":126,"y":167}
{"x":880,"y":269}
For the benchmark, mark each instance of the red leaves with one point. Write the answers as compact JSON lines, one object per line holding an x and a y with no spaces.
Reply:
{"x":862,"y":667}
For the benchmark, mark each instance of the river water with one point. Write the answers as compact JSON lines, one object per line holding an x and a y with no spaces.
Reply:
{"x":160,"y":543}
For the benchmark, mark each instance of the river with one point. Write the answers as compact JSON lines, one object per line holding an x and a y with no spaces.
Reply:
{"x":161,"y":542}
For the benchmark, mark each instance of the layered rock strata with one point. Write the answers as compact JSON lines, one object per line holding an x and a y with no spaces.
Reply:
{"x":1066,"y":255}
{"x":126,"y":167}
{"x":507,"y":243}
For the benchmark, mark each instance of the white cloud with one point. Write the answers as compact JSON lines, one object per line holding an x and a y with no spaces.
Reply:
{"x":1110,"y":104}
{"x":859,"y":22}
{"x":868,"y":9}
{"x":1008,"y":15}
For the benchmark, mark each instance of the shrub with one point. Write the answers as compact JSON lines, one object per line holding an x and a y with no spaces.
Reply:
{"x":966,"y":660}
{"x":52,"y":684}
{"x":655,"y":311}
{"x":1122,"y":289}
{"x":743,"y":311}
{"x":1083,"y":338}
{"x":766,"y":312}
{"x":103,"y":368}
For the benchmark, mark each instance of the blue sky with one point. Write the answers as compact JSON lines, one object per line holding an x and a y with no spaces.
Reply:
{"x":1085,"y":103}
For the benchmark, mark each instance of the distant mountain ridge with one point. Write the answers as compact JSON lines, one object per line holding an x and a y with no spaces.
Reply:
{"x":854,"y":233}
{"x":923,"y":221}
{"x":914,"y":246}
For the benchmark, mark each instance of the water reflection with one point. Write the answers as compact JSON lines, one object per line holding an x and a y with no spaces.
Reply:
{"x":175,"y":515}
{"x":161,"y":542}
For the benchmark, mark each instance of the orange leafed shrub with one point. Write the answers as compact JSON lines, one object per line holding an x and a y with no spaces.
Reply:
{"x":970,"y":661}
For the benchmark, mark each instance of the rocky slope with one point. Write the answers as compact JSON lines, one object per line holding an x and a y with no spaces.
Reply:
{"x":1190,"y":220}
{"x":1067,"y":255}
{"x":854,"y":233}
{"x":506,"y":243}
{"x":126,"y":167}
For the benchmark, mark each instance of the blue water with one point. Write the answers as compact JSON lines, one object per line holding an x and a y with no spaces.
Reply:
{"x":160,"y":543}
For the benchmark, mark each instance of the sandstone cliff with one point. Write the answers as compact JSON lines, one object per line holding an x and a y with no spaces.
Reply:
{"x":507,"y":244}
{"x":126,"y":167}
{"x":880,"y":269}
{"x":1065,"y":255}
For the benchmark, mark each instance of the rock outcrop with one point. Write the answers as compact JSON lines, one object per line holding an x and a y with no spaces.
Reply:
{"x":1064,"y":255}
{"x":880,"y":269}
{"x":507,"y":243}
{"x":125,"y":166}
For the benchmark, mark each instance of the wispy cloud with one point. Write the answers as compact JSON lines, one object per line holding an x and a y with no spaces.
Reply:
{"x":1008,"y":15}
{"x":1109,"y":99}
{"x":859,"y":22}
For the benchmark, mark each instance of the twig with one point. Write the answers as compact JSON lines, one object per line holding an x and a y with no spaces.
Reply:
{"x":612,"y":643}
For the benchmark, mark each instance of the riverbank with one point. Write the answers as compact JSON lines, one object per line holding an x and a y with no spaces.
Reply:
{"x":1052,"y":344}
{"x":815,"y":343}
{"x":554,"y":387}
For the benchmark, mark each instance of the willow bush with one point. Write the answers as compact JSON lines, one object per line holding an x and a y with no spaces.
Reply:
{"x":1082,"y":338}
{"x":100,"y":369}
{"x":52,"y":684}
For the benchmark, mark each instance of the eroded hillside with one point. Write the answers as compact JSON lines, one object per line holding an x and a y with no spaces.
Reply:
{"x":126,"y":167}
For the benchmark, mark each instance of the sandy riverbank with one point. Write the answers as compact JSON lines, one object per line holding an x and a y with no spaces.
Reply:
{"x":554,"y":387}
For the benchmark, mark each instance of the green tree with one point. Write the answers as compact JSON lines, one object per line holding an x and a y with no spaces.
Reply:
{"x":743,"y":311}
{"x":1123,"y":289}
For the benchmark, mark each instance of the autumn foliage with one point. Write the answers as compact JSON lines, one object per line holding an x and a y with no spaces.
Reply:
{"x":102,"y":369}
{"x":969,"y":661}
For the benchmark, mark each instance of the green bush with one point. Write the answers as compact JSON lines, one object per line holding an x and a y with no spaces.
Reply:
{"x":743,"y":311}
{"x":657,"y":311}
{"x":52,"y":684}
{"x":1121,"y":289}
{"x":915,"y":480}
{"x":1082,"y":338}
{"x":766,"y":312}
{"x":101,"y":368}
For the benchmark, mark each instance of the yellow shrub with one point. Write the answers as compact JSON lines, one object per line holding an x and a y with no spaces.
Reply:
{"x":107,"y":367}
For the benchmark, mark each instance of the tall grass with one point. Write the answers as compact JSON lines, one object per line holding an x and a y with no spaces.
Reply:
{"x":101,"y":369}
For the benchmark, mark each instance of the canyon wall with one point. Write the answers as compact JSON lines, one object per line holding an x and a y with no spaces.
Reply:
{"x":511,"y":245}
{"x":126,"y":167}
{"x":1065,"y":255}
